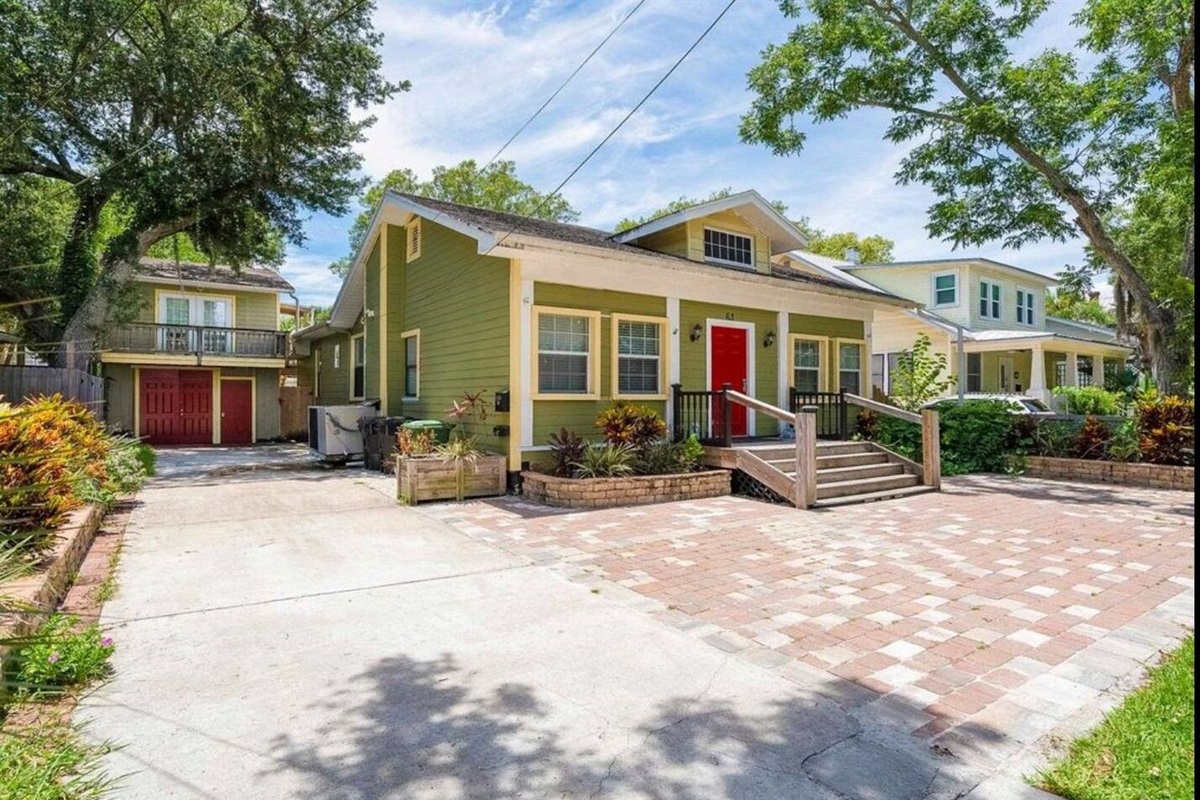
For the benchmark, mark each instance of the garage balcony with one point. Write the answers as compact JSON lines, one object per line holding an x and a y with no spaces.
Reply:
{"x":159,"y":343}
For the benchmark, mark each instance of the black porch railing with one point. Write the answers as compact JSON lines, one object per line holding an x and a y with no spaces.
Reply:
{"x":833,"y":414}
{"x":708,"y":415}
{"x":147,"y":337}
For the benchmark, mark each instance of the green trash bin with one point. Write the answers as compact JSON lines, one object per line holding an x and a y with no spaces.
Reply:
{"x":439,"y":429}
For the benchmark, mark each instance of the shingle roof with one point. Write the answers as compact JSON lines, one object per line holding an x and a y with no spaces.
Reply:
{"x":501,"y":222}
{"x":167,"y":269}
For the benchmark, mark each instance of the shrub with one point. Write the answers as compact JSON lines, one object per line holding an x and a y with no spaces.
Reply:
{"x":415,"y":443}
{"x":866,"y":424}
{"x":626,"y":423}
{"x":61,"y":656}
{"x":567,"y":449}
{"x":1089,"y":400}
{"x":975,"y":436}
{"x":1057,"y":438}
{"x":898,"y":436}
{"x":1092,"y":439}
{"x":1124,"y":444}
{"x":921,"y":375}
{"x":670,"y":458}
{"x":1167,"y":430}
{"x":610,"y":461}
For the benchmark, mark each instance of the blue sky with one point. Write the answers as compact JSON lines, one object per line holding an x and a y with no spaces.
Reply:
{"x":478,"y":70}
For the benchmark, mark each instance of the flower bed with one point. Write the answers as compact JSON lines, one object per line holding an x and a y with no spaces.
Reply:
{"x":1152,"y":476}
{"x":630,"y":490}
{"x":436,"y":478}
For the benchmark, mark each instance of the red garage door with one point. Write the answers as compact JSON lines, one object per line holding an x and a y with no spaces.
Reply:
{"x":176,"y":406}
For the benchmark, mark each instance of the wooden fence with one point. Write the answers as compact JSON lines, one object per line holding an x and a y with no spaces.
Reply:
{"x":17,"y":383}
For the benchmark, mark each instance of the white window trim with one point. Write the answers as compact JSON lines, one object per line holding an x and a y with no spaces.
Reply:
{"x":863,"y":358}
{"x":753,"y":248}
{"x":822,"y":355}
{"x":354,"y":364}
{"x":593,"y":355}
{"x":316,"y":372}
{"x":415,"y":333}
{"x":663,"y":357}
{"x":1031,"y":309}
{"x":953,"y":273}
{"x":999,"y":303}
{"x":751,"y":382}
{"x":160,"y":305}
{"x":337,"y":356}
{"x":413,"y":234}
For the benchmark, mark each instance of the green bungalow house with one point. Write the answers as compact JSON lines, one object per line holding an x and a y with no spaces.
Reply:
{"x":557,"y":321}
{"x":199,"y":362}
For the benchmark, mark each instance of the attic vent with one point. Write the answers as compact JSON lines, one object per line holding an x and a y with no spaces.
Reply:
{"x":414,"y":240}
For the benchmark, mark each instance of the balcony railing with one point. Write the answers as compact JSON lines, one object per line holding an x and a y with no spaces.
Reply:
{"x":146,"y":337}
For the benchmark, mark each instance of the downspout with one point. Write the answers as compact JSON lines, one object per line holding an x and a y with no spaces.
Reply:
{"x":296,"y":317}
{"x":962,"y":362}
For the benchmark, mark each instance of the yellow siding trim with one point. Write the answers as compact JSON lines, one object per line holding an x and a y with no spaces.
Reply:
{"x":593,"y":352}
{"x":383,"y":320}
{"x":663,"y":356}
{"x":216,"y":406}
{"x":822,"y":372}
{"x":137,"y":401}
{"x":415,"y":333}
{"x":515,"y":389}
{"x":189,"y":360}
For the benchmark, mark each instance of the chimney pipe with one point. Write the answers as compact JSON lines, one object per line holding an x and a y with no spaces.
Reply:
{"x":852,"y":255}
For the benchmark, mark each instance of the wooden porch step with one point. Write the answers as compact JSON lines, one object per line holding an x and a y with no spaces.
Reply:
{"x":848,"y":460}
{"x":869,"y":497}
{"x":842,"y":474}
{"x":860,"y":486}
{"x":843,"y":448}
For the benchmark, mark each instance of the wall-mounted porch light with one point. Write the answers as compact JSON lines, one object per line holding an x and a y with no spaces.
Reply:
{"x":769,"y":339}
{"x":697,"y":332}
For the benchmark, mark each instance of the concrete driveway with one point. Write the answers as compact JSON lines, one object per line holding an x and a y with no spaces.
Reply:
{"x":298,"y":635}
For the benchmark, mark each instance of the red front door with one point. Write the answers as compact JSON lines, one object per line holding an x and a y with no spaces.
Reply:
{"x":175,"y":406}
{"x":729,"y":351}
{"x":237,"y":413}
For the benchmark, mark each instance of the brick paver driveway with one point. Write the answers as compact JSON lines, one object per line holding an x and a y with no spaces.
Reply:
{"x":980,"y":618}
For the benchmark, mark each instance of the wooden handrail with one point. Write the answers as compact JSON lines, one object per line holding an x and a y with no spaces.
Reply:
{"x":884,"y":408}
{"x":760,"y":406}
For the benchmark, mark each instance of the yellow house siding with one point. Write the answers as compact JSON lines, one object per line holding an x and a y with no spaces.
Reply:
{"x":579,"y":415}
{"x":728,"y":221}
{"x":916,"y":284}
{"x":259,"y":310}
{"x":673,"y":240}
{"x":458,"y":300}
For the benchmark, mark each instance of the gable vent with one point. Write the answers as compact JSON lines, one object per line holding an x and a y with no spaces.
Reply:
{"x":414,"y":240}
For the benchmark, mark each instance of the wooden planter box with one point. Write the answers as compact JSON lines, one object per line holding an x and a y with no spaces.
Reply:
{"x":432,"y":478}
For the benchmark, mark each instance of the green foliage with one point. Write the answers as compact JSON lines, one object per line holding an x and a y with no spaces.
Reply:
{"x":976,"y":436}
{"x":681,"y":204}
{"x":462,"y":453}
{"x":610,"y":461}
{"x":567,"y":449}
{"x":1057,"y":438}
{"x":1080,"y":309}
{"x":874,"y":249}
{"x":1124,"y":444}
{"x":1092,"y":440}
{"x":1016,"y":148}
{"x":1167,"y":430}
{"x":627,"y":423}
{"x":896,"y":435}
{"x":1143,"y":749}
{"x":1089,"y":400}
{"x":670,"y":458}
{"x":146,"y":457}
{"x":50,"y":761}
{"x":61,"y":656}
{"x":920,"y":376}
{"x":693,"y":451}
{"x":227,"y":121}
{"x":495,"y":187}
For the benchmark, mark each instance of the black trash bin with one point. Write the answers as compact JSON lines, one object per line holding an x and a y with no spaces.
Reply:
{"x":371,"y":429}
{"x":388,"y":428}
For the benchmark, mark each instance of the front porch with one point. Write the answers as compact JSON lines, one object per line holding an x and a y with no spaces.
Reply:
{"x":1036,"y":371}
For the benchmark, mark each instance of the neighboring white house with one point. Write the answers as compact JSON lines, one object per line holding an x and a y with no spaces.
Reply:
{"x":998,"y":310}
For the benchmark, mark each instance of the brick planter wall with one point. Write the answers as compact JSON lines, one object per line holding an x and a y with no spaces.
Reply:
{"x":1152,"y":476}
{"x":44,"y":588}
{"x":632,"y":491}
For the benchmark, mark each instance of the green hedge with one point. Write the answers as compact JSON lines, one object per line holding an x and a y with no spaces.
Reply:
{"x":976,"y":436}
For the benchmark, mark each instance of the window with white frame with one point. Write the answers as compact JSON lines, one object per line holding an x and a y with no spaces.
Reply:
{"x":411,"y":341}
{"x":945,"y":289}
{"x":1024,"y":307}
{"x":211,"y":315}
{"x":564,"y":352}
{"x":989,"y":300}
{"x":728,"y":248}
{"x":639,"y":356}
{"x":806,"y":365}
{"x":358,"y":365}
{"x":883,"y":370}
{"x":850,"y":367}
{"x":974,"y":372}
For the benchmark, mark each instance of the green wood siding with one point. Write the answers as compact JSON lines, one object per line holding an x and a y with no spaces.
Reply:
{"x":335,"y":382}
{"x":693,"y":355}
{"x":459,"y":302}
{"x":372,"y":322}
{"x":580,"y":415}
{"x":259,"y":310}
{"x":806,"y":324}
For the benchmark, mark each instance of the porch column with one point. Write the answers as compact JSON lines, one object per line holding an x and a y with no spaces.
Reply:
{"x":1037,"y":374}
{"x":672,"y":355}
{"x":1098,"y":371}
{"x":1072,"y":369}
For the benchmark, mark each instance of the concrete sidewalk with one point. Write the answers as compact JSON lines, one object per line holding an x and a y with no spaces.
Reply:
{"x":298,"y":635}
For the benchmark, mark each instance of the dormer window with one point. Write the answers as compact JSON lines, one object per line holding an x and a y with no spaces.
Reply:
{"x":722,"y":247}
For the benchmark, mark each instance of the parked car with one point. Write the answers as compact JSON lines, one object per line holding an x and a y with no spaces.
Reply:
{"x":1017,"y":403}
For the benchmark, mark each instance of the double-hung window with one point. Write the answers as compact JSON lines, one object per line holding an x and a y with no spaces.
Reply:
{"x":850,"y":367}
{"x":989,"y":300}
{"x":724,"y":247}
{"x":945,"y":289}
{"x":411,"y":341}
{"x":567,"y":348}
{"x":1024,"y":307}
{"x":806,"y":365}
{"x":638,"y":353}
{"x":358,"y":366}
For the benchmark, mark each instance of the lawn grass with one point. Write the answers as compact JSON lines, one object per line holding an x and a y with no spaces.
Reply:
{"x":1145,"y":749}
{"x":49,"y":761}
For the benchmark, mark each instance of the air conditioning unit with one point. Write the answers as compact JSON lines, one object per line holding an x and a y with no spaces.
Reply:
{"x":334,"y":433}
